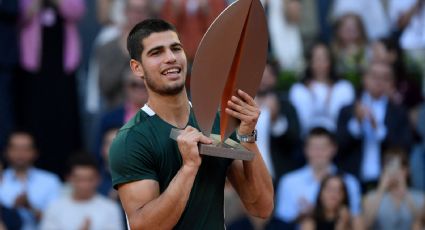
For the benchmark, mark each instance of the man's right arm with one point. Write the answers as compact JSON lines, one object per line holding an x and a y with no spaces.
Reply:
{"x":145,"y":207}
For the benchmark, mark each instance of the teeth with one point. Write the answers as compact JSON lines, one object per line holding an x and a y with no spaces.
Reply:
{"x":172,"y":70}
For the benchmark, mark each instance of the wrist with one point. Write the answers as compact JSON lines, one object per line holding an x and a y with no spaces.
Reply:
{"x":189,"y":169}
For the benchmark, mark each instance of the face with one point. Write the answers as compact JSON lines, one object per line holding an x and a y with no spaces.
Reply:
{"x":269,"y":79}
{"x":378,"y":80}
{"x":136,"y":11}
{"x":319,"y":151}
{"x":84,"y":181}
{"x":163,"y":64}
{"x":349,"y":31}
{"x":332,"y":194}
{"x":136,"y":90}
{"x":293,"y":11}
{"x":20,"y":151}
{"x":320,"y":61}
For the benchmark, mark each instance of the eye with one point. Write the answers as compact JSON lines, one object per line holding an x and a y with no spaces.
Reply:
{"x":176,"y":48}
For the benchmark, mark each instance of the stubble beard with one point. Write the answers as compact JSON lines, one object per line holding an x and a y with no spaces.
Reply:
{"x":164,"y":90}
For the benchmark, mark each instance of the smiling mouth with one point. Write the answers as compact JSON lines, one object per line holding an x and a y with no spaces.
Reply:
{"x":170,"y":71}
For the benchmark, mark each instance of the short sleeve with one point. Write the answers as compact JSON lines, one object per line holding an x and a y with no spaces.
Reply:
{"x":131,"y":158}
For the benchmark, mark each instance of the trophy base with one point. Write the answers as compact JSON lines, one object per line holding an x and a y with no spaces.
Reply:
{"x":228,"y":149}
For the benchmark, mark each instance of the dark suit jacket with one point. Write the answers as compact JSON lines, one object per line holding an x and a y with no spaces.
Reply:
{"x":350,"y":153}
{"x":285,"y":149}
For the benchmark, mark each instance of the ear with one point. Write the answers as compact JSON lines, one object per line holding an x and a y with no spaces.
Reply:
{"x":137,"y":68}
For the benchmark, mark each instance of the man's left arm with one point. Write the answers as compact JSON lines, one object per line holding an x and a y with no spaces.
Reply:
{"x":250,"y":179}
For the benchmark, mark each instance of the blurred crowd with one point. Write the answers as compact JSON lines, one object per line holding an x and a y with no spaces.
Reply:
{"x":342,"y":127}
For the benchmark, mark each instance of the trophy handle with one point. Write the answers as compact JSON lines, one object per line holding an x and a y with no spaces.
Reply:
{"x":231,"y":150}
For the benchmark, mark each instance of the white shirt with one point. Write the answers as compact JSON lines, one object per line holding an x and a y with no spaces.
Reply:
{"x":69,"y":214}
{"x":300,"y":187}
{"x":413,"y":36}
{"x":320,"y":104}
{"x":372,"y":138}
{"x":41,"y":187}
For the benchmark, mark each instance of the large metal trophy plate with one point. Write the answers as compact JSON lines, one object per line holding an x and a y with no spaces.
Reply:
{"x":232,"y":55}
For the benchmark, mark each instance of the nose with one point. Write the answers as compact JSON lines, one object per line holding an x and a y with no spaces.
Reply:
{"x":170,"y":56}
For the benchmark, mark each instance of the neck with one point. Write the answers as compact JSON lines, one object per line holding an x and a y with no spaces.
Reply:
{"x":81,"y":198}
{"x":330,"y":214}
{"x":173,"y":109}
{"x":320,"y":172}
{"x":21,"y":173}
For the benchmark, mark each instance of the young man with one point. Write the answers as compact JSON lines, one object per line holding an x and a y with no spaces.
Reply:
{"x":165,"y":184}
{"x":24,"y":187}
{"x":83,"y":208}
{"x":298,"y":190}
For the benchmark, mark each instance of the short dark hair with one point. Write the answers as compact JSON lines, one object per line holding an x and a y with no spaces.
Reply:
{"x":320,"y":131}
{"x":141,"y":31}
{"x":82,"y":159}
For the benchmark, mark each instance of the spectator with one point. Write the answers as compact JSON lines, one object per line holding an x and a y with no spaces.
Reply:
{"x":393,"y":205}
{"x":23,"y":186}
{"x":298,"y":190}
{"x":332,"y":208}
{"x":417,"y":157}
{"x":278,"y":127}
{"x":9,"y":12}
{"x":105,"y":186}
{"x":9,"y":218}
{"x":84,"y":208}
{"x":320,"y":95}
{"x":369,"y":125}
{"x":407,"y":18}
{"x":372,"y":13}
{"x":285,"y":38}
{"x":192,"y":19}
{"x":111,"y":61}
{"x":135,"y":97}
{"x":349,"y":47}
{"x":46,"y":91}
{"x":406,"y":90}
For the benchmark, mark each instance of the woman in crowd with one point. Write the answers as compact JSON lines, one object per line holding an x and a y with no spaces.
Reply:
{"x":332,"y":208}
{"x":393,"y":205}
{"x":350,"y":47}
{"x":319,"y":97}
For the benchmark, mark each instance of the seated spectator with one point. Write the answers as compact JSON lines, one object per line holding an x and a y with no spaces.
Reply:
{"x":278,"y":127}
{"x":393,"y":205}
{"x":135,"y":97}
{"x":298,"y":190}
{"x":372,"y":13}
{"x":24,"y":187}
{"x":9,"y":218}
{"x":369,"y":125}
{"x":406,"y":90}
{"x":105,"y":186}
{"x":284,"y":18}
{"x":332,"y":208}
{"x":319,"y":97}
{"x":83,"y":208}
{"x":349,"y":47}
{"x":417,"y":155}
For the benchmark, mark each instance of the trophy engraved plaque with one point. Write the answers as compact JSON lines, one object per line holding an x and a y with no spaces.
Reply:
{"x":232,"y":55}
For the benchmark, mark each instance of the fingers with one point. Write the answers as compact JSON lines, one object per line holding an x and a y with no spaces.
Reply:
{"x":246,"y":97}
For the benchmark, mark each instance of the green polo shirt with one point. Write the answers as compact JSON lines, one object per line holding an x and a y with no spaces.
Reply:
{"x":143,"y":149}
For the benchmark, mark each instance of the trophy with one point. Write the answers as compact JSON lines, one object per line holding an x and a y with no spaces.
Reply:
{"x":232,"y":55}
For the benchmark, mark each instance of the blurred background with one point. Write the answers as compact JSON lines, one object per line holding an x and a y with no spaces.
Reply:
{"x":342,"y":128}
